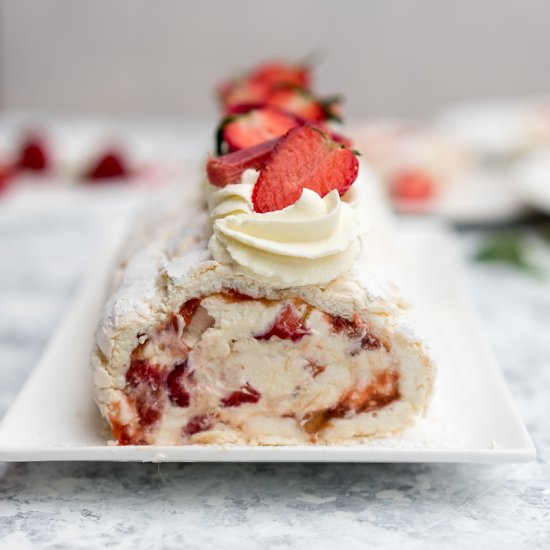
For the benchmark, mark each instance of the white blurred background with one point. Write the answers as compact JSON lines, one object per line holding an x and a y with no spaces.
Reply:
{"x":406,"y":58}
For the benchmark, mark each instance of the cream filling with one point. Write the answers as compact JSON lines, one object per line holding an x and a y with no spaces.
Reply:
{"x":295,"y":379}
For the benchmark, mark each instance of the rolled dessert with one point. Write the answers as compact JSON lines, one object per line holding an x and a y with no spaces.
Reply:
{"x":260,"y":329}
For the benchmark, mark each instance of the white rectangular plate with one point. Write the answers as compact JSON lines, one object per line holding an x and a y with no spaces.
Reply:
{"x":472,"y":418}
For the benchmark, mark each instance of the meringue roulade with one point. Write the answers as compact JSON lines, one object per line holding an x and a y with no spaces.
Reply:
{"x":192,"y":349}
{"x":268,"y":317}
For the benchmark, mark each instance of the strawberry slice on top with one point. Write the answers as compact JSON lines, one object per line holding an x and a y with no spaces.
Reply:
{"x":304,"y":158}
{"x":277,"y":73}
{"x":244,"y":92}
{"x":255,"y":86}
{"x":304,"y":104}
{"x":240,"y":131}
{"x":222,"y":171}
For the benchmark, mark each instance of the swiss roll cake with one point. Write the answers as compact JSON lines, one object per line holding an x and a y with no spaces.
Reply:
{"x":259,"y":308}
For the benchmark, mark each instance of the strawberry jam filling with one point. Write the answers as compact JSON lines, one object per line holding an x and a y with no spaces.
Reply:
{"x":231,"y":362}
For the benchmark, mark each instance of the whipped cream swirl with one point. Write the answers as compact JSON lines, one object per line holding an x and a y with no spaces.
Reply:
{"x":235,"y":198}
{"x":311,"y":242}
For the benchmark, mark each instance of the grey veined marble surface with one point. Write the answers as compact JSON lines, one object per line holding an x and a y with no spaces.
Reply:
{"x":247,"y":506}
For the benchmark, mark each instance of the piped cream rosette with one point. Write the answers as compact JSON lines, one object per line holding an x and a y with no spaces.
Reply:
{"x":311,"y":242}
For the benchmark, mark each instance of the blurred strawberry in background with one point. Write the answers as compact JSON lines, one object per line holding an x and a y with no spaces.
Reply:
{"x":5,"y":176}
{"x":413,"y":185}
{"x":110,"y":165}
{"x":33,"y":154}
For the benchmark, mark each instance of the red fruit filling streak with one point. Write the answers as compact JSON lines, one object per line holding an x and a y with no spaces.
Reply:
{"x":383,"y":390}
{"x":177,"y":393}
{"x":188,"y":309}
{"x":288,"y":325}
{"x":247,"y":394}
{"x":147,"y":388}
{"x":355,"y":329}
{"x":199,"y":423}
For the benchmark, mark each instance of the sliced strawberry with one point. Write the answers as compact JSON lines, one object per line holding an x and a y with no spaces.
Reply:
{"x":279,"y":73}
{"x":109,"y":166}
{"x":261,"y":80}
{"x":245,"y":92}
{"x":245,"y":108}
{"x":228,"y":169}
{"x":33,"y":155}
{"x":304,"y":104}
{"x":413,"y":185}
{"x":288,"y":325}
{"x":254,"y":127}
{"x":304,"y":158}
{"x":247,"y":394}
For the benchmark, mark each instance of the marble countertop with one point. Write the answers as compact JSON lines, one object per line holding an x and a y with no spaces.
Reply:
{"x":246,"y":506}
